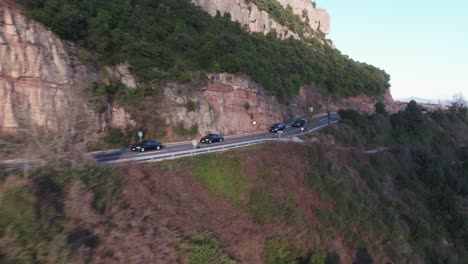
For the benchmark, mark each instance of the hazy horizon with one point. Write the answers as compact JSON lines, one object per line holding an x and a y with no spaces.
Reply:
{"x":421,"y":44}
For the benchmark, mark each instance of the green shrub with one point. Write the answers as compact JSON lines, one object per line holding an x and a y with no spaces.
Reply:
{"x":115,"y":137}
{"x":380,"y":108}
{"x":354,"y":117}
{"x":204,"y":248}
{"x":180,"y":130}
{"x":280,"y":251}
{"x":194,"y":129}
{"x":191,"y":106}
{"x":318,"y":258}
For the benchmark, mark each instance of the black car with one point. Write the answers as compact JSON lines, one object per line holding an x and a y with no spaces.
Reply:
{"x":212,"y":138}
{"x":147,"y":145}
{"x":299,"y":122}
{"x":278,"y":127}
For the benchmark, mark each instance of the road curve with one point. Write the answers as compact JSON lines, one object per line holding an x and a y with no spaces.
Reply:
{"x":179,"y":149}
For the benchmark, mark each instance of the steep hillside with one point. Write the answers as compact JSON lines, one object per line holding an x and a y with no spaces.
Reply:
{"x":126,"y":63}
{"x":171,"y":38}
{"x":331,"y":201}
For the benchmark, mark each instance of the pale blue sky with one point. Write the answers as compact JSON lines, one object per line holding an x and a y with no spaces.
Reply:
{"x":422,"y":44}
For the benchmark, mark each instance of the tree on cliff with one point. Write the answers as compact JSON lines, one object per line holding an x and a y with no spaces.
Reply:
{"x":458,"y":106}
{"x":380,"y":108}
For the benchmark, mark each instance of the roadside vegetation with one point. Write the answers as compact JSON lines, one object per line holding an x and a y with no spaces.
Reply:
{"x":34,"y":223}
{"x":324,"y":202}
{"x":403,"y":203}
{"x":204,"y":248}
{"x":419,"y":183}
{"x":172,"y":40}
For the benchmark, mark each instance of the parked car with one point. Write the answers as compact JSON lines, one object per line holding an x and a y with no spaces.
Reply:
{"x":212,"y":138}
{"x":278,"y":127}
{"x":299,"y":122}
{"x":147,"y":145}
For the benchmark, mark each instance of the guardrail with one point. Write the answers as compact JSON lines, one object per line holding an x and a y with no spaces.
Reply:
{"x":314,"y":117}
{"x":185,"y":153}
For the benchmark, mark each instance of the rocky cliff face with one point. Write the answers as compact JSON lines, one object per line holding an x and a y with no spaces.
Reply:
{"x":227,"y":104}
{"x":318,"y":17}
{"x":310,"y":97}
{"x":40,"y":76}
{"x":256,"y":20}
{"x":36,"y":71}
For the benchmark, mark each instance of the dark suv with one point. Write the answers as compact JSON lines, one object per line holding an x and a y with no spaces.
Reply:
{"x":212,"y":138}
{"x":147,"y":145}
{"x":299,"y":122}
{"x":278,"y":127}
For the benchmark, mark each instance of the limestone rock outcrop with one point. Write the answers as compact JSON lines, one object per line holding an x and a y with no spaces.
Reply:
{"x":256,"y":20}
{"x":37,"y":71}
{"x":310,"y":97}
{"x":40,"y":75}
{"x":227,"y":104}
{"x":318,"y":16}
{"x":122,"y":73}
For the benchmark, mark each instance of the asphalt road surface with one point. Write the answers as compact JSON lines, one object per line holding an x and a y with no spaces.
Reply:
{"x":125,"y":155}
{"x":181,"y":148}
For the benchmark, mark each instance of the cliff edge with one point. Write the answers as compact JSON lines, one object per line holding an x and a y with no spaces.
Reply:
{"x":247,"y":13}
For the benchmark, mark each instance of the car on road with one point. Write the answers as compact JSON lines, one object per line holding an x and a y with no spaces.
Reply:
{"x":299,"y":122}
{"x":210,"y":138}
{"x":278,"y":127}
{"x":147,"y":145}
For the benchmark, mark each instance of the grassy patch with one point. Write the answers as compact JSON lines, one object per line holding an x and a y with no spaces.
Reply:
{"x":31,"y":227}
{"x":263,"y":207}
{"x":17,"y":214}
{"x":222,"y":174}
{"x":280,"y":251}
{"x":167,"y":165}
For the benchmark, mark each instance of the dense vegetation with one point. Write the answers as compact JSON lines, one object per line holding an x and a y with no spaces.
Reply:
{"x":403,"y":204}
{"x":425,"y":170}
{"x":167,"y":39}
{"x":34,"y":227}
